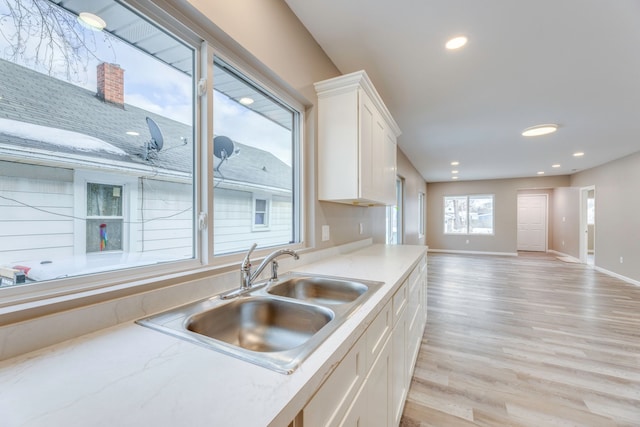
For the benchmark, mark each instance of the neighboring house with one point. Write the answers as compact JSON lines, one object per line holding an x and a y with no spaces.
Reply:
{"x":80,"y":189}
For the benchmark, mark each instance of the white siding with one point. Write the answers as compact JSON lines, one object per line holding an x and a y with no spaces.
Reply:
{"x":233,"y":222}
{"x":165,"y":218}
{"x":36,"y":209}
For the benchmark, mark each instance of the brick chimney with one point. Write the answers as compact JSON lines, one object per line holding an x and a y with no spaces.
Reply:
{"x":111,"y":83}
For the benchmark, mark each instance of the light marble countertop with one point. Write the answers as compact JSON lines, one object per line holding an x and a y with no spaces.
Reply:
{"x":129,"y":375}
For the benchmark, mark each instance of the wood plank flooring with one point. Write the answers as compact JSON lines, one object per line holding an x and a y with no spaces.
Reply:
{"x":526,"y":341}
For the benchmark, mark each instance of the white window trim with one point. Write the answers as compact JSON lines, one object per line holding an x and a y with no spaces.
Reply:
{"x":493,"y":216}
{"x":24,"y":302}
{"x":302,"y":175}
{"x":129,"y":197}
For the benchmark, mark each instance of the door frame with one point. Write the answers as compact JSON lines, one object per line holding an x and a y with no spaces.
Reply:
{"x":584,"y":226}
{"x":546,"y":219}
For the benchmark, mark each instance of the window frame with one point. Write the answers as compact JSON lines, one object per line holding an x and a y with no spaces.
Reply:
{"x":257,"y":77}
{"x":132,"y":280}
{"x":468,"y":197}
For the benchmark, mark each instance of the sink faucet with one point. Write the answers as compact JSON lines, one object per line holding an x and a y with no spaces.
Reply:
{"x":247,"y":277}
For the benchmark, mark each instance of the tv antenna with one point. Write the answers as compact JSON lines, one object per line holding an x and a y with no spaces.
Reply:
{"x":156,"y":141}
{"x":223,"y":148}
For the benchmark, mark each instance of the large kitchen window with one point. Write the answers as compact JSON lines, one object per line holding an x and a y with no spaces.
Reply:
{"x":468,"y":214}
{"x":103,"y":172}
{"x":83,"y":110}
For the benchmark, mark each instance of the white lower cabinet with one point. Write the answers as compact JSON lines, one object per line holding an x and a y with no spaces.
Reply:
{"x":399,"y":381}
{"x":369,"y":386}
{"x":331,"y":402}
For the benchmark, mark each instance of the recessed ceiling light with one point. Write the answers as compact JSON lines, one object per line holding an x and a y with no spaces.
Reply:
{"x":578,"y":154}
{"x":539,"y":130}
{"x":456,"y":42}
{"x":454,"y":171}
{"x":133,"y":133}
{"x":555,"y":166}
{"x":455,"y":163}
{"x":541,"y":173}
{"x":246,"y":100}
{"x":454,"y":177}
{"x":91,"y":21}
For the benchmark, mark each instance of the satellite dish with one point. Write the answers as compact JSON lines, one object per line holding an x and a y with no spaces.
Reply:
{"x":156,"y":141}
{"x":223,"y":147}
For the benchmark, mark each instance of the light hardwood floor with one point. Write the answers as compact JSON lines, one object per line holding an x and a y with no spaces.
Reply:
{"x":526,"y":341}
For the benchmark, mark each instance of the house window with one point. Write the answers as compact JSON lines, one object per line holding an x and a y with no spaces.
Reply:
{"x":468,"y":214}
{"x":261,"y":214}
{"x":256,"y":150}
{"x":105,"y":218}
{"x":97,"y":157}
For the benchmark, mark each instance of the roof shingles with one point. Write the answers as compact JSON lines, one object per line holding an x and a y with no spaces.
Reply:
{"x":32,"y":97}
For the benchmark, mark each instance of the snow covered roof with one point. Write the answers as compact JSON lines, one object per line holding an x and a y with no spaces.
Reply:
{"x":59,"y":137}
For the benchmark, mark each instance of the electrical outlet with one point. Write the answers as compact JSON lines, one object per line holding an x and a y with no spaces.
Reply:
{"x":325,"y":233}
{"x":467,"y":242}
{"x":621,"y":260}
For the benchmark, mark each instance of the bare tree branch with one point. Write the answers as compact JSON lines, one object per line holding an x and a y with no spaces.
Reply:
{"x":46,"y":37}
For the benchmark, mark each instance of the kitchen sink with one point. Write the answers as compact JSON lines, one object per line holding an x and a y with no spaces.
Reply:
{"x":277,"y":324}
{"x":261,"y":324}
{"x":321,"y":290}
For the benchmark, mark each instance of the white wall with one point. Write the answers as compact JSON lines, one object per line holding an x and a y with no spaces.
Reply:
{"x":617,"y":214}
{"x":505,"y":239}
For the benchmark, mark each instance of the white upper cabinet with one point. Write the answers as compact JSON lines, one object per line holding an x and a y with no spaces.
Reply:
{"x":356,"y":143}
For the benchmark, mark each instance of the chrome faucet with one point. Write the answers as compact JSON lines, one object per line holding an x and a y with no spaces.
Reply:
{"x":247,"y":277}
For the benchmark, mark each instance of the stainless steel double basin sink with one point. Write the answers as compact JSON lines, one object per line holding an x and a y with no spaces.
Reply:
{"x":276,"y":325}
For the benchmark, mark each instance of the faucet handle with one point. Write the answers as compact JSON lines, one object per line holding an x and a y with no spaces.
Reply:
{"x":246,"y":263}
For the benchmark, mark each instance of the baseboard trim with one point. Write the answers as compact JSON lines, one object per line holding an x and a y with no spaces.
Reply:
{"x":453,"y":251}
{"x":618,"y":276}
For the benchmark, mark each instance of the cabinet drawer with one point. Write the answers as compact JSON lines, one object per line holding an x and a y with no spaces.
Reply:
{"x":400,"y":301}
{"x":330,"y":403}
{"x":377,"y":334}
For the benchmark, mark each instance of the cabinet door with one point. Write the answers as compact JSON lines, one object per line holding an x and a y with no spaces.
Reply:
{"x":388,"y":168}
{"x":400,"y":382}
{"x":378,"y":161}
{"x":378,"y":389}
{"x":330,"y":403}
{"x":367,"y":124}
{"x":357,"y":413}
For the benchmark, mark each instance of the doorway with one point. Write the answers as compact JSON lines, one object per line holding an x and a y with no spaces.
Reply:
{"x":588,"y":225}
{"x":532,"y":222}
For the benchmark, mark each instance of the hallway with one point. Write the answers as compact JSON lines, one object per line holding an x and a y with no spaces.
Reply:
{"x":526,"y":341}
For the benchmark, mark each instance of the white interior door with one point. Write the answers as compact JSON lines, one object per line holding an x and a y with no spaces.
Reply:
{"x":532,"y":222}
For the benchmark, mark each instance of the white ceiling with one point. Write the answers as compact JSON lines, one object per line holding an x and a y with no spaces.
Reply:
{"x":571,"y":62}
